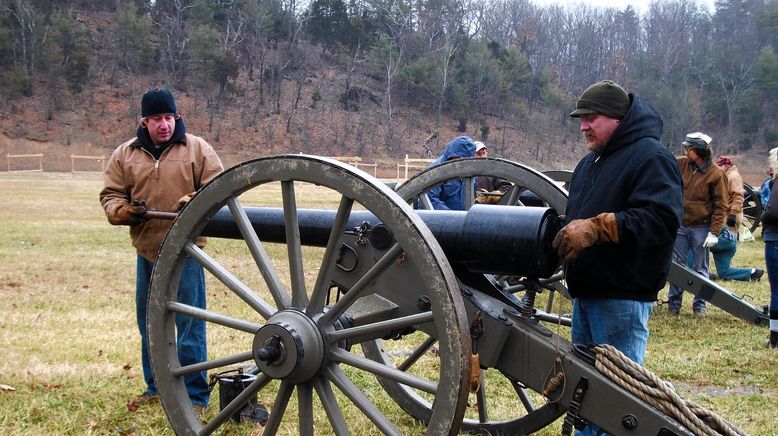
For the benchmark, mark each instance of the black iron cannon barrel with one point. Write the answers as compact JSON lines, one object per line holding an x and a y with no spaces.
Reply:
{"x":487,"y":238}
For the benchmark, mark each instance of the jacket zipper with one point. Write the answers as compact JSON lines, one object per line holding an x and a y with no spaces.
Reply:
{"x":156,"y":162}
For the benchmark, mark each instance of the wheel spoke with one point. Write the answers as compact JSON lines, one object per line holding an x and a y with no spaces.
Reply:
{"x":336,"y":375}
{"x":233,"y":283}
{"x":525,"y":399}
{"x":294,"y":247}
{"x":355,"y":292}
{"x":483,"y":413}
{"x":343,"y":356}
{"x":279,"y":407}
{"x":330,"y":258}
{"x":269,"y":273}
{"x":210,"y":316}
{"x":330,"y":404}
{"x":469,"y":192}
{"x":513,"y":196}
{"x":417,"y":353}
{"x":211,"y":364}
{"x":305,"y":408}
{"x":424,"y":198}
{"x":235,"y":404}
{"x":379,"y":329}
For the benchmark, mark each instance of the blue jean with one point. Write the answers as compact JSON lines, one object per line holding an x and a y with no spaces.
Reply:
{"x":191,"y":339}
{"x":723,"y":252}
{"x":620,"y":323}
{"x":688,"y":241}
{"x":771,"y":262}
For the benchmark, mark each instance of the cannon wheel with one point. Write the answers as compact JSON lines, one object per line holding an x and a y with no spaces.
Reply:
{"x":563,"y":176}
{"x":535,"y":416}
{"x":752,"y":208}
{"x":300,"y":315}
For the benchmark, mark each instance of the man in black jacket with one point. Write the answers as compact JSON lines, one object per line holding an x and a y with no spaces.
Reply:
{"x":624,"y":208}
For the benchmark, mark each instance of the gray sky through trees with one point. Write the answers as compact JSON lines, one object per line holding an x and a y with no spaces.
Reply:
{"x":640,"y":5}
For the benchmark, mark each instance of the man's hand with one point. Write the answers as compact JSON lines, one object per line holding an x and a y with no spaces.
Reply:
{"x":131,"y":214}
{"x":183,"y":201}
{"x":710,"y":240}
{"x":583,"y":233}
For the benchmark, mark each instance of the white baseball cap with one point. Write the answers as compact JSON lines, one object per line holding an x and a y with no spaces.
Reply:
{"x":479,"y":146}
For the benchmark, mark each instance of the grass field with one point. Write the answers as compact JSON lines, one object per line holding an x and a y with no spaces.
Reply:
{"x":70,"y":356}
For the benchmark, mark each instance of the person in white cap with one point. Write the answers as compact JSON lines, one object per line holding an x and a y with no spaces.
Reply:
{"x":705,"y":209}
{"x":489,"y":189}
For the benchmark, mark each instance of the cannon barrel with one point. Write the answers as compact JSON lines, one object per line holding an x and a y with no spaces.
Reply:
{"x":485,"y":239}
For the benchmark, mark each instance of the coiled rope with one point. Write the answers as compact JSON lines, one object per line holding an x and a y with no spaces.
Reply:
{"x":648,"y":387}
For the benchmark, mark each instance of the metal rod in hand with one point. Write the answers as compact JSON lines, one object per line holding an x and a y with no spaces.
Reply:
{"x":157,"y":215}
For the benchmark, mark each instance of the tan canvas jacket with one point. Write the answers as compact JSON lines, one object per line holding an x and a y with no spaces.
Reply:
{"x":705,"y":196}
{"x":132,"y":173}
{"x":735,"y":190}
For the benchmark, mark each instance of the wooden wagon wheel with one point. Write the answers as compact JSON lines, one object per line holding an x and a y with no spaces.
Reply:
{"x":752,"y":208}
{"x":292,"y":317}
{"x":526,"y":180}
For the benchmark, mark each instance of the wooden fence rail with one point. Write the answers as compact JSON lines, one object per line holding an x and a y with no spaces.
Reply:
{"x":11,"y":157}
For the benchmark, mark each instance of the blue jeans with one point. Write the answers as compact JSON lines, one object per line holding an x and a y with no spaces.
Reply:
{"x":771,"y":262}
{"x":688,"y":241}
{"x":620,"y":323}
{"x":191,"y":337}
{"x":723,"y":252}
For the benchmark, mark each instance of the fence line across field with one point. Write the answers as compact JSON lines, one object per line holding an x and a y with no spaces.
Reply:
{"x":357,"y":162}
{"x":75,"y":157}
{"x":412,"y":163}
{"x":11,"y":157}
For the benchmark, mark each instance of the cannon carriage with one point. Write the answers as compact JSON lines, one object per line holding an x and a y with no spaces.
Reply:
{"x":323,"y":325}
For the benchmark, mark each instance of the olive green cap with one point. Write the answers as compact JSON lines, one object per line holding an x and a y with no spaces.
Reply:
{"x":606,"y":98}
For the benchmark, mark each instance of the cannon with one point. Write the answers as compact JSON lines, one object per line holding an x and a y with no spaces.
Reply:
{"x":324,"y":322}
{"x":547,"y":189}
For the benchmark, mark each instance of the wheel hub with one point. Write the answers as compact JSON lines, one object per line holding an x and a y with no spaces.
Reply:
{"x":289,"y":346}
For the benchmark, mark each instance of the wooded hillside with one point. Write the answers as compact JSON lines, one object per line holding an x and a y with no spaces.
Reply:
{"x":381,"y":78}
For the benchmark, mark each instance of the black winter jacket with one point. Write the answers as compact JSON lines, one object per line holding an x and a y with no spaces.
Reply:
{"x":636,"y":177}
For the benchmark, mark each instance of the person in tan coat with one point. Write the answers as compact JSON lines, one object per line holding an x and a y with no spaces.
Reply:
{"x":705,"y":209}
{"x":735,"y":183}
{"x":161,"y":169}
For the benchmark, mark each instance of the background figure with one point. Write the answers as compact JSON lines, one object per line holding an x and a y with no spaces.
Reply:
{"x":161,"y":169}
{"x":488,"y":189}
{"x":735,"y":189}
{"x":764,"y":190}
{"x":451,"y":195}
{"x":770,"y":237}
{"x":725,"y":249}
{"x":705,"y":208}
{"x":723,"y":253}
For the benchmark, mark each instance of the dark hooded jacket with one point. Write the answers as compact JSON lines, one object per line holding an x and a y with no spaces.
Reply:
{"x":637,"y":178}
{"x":451,"y":195}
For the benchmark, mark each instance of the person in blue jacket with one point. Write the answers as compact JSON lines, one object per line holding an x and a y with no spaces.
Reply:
{"x":451,"y":195}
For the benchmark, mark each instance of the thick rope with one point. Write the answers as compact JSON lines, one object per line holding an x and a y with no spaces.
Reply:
{"x":648,"y":387}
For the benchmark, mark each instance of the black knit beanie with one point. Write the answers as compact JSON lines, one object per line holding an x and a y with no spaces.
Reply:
{"x":157,"y":101}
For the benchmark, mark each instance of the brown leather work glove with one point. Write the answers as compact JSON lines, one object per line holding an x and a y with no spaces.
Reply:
{"x":183,"y":201}
{"x":131,"y":214}
{"x":583,"y":233}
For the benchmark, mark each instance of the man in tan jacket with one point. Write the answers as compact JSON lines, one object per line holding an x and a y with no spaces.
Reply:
{"x":161,"y":169}
{"x":705,"y":208}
